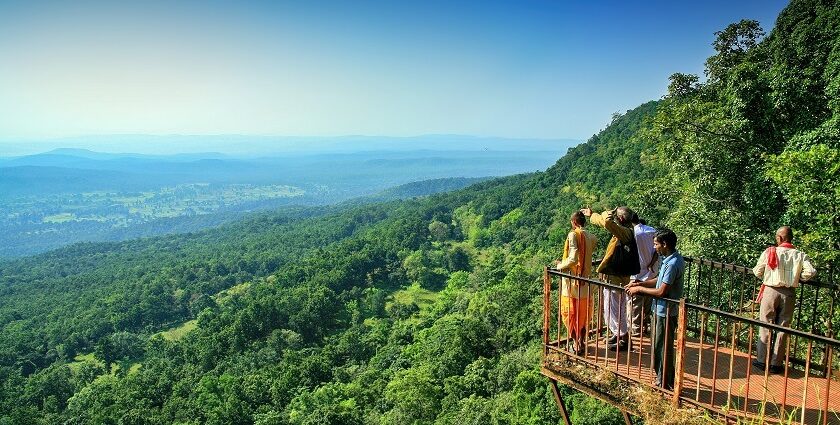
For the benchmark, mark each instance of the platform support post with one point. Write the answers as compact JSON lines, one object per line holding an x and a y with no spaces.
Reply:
{"x":560,"y":403}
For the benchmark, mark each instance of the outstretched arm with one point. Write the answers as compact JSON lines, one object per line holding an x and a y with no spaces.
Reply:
{"x":605,"y":220}
{"x":660,"y":292}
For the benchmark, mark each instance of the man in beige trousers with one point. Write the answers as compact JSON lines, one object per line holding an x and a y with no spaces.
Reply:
{"x":781,"y":268}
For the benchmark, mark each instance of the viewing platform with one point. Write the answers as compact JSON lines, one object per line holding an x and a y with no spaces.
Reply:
{"x":716,"y":331}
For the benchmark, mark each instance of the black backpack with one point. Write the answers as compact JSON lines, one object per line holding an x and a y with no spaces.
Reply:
{"x":624,"y":261}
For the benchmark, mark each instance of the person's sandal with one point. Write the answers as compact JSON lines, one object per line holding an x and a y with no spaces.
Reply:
{"x":580,"y":349}
{"x":620,"y":344}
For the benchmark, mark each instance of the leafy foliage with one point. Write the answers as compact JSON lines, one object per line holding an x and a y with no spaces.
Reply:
{"x":750,"y":148}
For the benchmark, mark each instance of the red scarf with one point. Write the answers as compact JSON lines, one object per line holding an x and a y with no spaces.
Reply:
{"x":773,"y":258}
{"x":772,"y":262}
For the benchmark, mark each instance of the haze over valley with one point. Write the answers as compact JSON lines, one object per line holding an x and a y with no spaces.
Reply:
{"x":69,"y":195}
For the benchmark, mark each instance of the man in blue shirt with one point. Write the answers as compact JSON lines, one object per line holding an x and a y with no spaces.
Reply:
{"x":669,"y":284}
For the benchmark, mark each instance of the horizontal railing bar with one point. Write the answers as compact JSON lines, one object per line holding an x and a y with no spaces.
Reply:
{"x":743,"y":269}
{"x":789,"y":331}
{"x":731,"y":316}
{"x":718,"y":264}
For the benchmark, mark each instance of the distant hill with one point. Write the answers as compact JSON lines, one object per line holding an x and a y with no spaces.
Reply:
{"x":30,"y":179}
{"x":89,"y":158}
{"x":89,"y":154}
{"x":253,"y":146}
{"x":375,"y":169}
{"x":423,"y":188}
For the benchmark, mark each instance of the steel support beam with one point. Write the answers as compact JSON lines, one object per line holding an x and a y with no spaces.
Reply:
{"x":560,"y":404}
{"x":627,"y":419}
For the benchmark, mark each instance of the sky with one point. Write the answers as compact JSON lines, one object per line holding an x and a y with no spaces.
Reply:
{"x":517,"y":69}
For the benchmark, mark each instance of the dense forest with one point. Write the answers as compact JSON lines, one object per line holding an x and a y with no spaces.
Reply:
{"x":424,"y":310}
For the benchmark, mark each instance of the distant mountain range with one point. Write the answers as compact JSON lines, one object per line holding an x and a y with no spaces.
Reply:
{"x":254,"y":146}
{"x":79,"y":170}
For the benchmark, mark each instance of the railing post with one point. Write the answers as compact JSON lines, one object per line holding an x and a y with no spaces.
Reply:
{"x":680,"y":353}
{"x":827,"y":394}
{"x":546,"y":309}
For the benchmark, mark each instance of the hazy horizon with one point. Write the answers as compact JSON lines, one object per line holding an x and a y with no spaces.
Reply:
{"x":236,"y":144}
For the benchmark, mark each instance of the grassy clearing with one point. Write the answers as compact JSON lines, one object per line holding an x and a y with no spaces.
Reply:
{"x":223,"y":296}
{"x":132,"y":365}
{"x":424,"y":298}
{"x":59,"y":218}
{"x":81,"y":359}
{"x":178,"y":332}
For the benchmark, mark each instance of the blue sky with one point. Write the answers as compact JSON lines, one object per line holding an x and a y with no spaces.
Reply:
{"x":529,"y":69}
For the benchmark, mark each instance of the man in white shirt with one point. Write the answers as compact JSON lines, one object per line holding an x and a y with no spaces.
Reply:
{"x":781,"y":268}
{"x":639,"y":305}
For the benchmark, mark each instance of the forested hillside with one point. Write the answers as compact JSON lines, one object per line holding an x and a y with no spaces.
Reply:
{"x":424,"y":311}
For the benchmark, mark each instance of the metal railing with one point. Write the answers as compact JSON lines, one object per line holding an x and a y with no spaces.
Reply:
{"x":734,"y":289}
{"x":714,"y":341}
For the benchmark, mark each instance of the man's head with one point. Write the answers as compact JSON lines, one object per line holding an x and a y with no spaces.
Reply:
{"x":624,"y":215}
{"x":665,"y":241}
{"x":784,"y":234}
{"x":578,"y":219}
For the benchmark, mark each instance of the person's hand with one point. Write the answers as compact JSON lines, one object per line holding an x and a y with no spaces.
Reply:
{"x":586,"y":211}
{"x":633,"y":290}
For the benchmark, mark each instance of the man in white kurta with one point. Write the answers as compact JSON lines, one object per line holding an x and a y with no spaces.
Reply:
{"x":638,"y":306}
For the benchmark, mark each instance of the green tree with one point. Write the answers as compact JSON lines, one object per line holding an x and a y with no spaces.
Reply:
{"x":810,"y":181}
{"x":439,"y":231}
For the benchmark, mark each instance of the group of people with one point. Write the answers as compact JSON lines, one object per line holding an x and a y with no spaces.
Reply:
{"x":645,"y":262}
